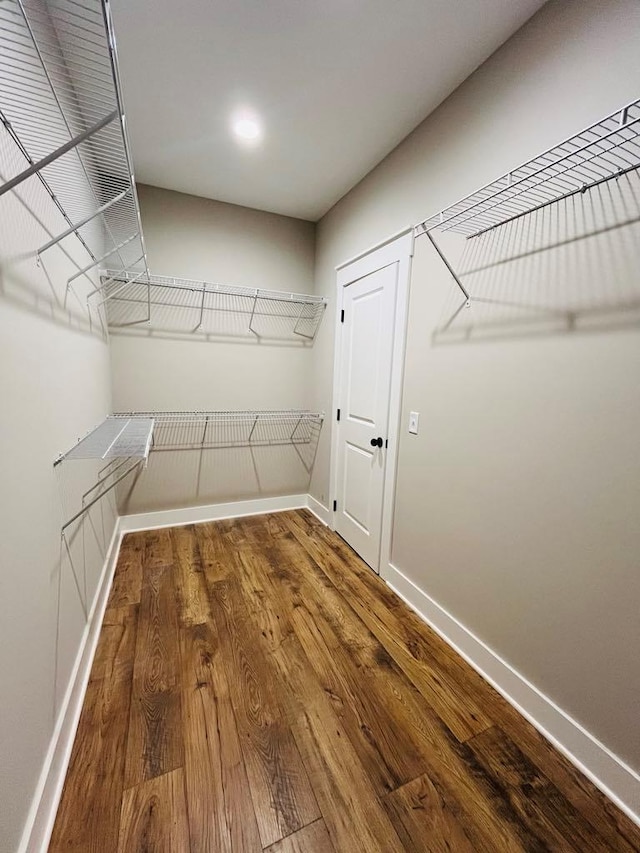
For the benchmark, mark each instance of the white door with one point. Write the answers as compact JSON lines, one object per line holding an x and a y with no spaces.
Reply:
{"x":364,"y":384}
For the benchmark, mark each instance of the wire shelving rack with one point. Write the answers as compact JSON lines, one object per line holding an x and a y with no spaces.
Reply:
{"x":124,"y":443}
{"x":219,"y":429}
{"x":189,"y":306}
{"x":125,"y":440}
{"x":61,"y":104}
{"x":604,"y":151}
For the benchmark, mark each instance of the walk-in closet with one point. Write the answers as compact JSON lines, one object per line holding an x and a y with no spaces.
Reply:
{"x":319,"y":416}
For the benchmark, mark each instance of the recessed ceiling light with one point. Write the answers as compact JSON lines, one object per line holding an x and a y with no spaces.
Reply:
{"x":247,"y":128}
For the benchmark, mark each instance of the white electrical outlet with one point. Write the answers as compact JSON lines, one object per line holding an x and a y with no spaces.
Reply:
{"x":414,"y":417}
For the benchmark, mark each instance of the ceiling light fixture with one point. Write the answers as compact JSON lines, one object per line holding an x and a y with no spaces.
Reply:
{"x":247,"y":128}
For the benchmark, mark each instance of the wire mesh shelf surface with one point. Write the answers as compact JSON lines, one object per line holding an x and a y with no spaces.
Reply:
{"x":60,"y":103}
{"x":605,"y":150}
{"x":217,"y":429}
{"x":114,"y":438}
{"x":189,"y":306}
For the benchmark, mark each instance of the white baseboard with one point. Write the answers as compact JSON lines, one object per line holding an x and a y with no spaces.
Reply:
{"x":42,"y":814}
{"x":605,"y":769}
{"x":319,"y":510}
{"x":210,"y":512}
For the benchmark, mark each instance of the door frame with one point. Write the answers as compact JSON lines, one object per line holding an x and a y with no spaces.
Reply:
{"x":396,"y":249}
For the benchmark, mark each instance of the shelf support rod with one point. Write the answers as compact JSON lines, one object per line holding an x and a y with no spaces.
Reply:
{"x":102,"y":477}
{"x":295,"y":429}
{"x":253,"y":427}
{"x":204,"y":432}
{"x":253,"y":311}
{"x":113,"y":278}
{"x":82,"y":222}
{"x":204,"y":290}
{"x":100,"y":496}
{"x":295,"y":328}
{"x":63,"y":149}
{"x":122,"y":286}
{"x":99,"y":260}
{"x":449,"y":267}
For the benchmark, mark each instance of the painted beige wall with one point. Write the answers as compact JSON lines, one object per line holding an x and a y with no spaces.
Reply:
{"x":517,"y":504}
{"x":191,"y":237}
{"x":54,"y":387}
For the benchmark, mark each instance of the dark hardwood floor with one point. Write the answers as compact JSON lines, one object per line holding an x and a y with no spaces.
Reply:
{"x":257,"y":687}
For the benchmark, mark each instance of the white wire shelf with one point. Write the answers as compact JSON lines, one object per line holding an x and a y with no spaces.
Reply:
{"x":608,"y":149}
{"x":60,"y":103}
{"x":188,"y":306}
{"x":218,"y":429}
{"x":124,"y":443}
{"x":114,"y":438}
{"x":126,"y":439}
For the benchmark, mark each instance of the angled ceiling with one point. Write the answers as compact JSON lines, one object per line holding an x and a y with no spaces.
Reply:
{"x":337,"y":84}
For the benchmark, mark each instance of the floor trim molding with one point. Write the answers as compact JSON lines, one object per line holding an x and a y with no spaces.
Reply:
{"x":210,"y":512}
{"x":605,"y":769}
{"x":319,"y":510}
{"x":44,"y":806}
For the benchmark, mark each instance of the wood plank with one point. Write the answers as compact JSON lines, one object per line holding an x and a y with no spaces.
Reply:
{"x":311,"y":839}
{"x":215,"y":559}
{"x":154,"y":816}
{"x":458,"y":710}
{"x":116,"y":645}
{"x":368,"y":727}
{"x":154,"y":743}
{"x":159,"y":550}
{"x":488,"y":820}
{"x":193,"y":601}
{"x":544,"y":810}
{"x":424,"y":819}
{"x":127,"y":579}
{"x":417,"y":648}
{"x":606,"y":819}
{"x":221,"y":814}
{"x":89,"y":811}
{"x":381,"y":745}
{"x":282,"y":797}
{"x":350,"y":807}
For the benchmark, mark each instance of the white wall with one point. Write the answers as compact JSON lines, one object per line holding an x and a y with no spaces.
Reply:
{"x":517,"y":504}
{"x":54,"y":387}
{"x":196,"y":238}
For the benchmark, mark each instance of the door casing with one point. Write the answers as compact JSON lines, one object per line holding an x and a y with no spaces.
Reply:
{"x":396,"y":249}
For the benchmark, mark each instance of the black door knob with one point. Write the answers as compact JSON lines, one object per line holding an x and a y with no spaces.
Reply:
{"x":376,"y":442}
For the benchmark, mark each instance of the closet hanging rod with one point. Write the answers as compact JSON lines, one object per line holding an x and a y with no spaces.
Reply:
{"x":54,"y":198}
{"x":54,"y":155}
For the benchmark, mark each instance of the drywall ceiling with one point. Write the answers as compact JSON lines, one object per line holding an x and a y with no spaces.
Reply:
{"x":337,"y":84}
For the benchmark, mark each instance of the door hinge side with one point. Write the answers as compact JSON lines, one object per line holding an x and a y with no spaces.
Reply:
{"x":338,"y":415}
{"x":342,"y":316}
{"x":335,"y":506}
